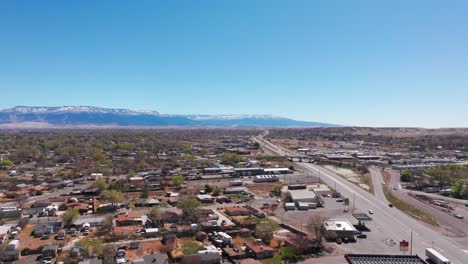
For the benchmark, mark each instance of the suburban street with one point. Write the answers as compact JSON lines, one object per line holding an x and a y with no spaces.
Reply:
{"x":389,"y":222}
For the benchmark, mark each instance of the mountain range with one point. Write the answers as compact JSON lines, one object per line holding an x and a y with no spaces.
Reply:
{"x":90,"y":115}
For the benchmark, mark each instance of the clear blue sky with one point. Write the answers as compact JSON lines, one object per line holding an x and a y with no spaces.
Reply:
{"x":373,"y":63}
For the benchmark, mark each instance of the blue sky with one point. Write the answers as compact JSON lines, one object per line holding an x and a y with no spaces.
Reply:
{"x":372,"y":63}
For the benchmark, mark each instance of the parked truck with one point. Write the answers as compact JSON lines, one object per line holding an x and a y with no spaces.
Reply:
{"x":435,"y":257}
{"x":13,"y":245}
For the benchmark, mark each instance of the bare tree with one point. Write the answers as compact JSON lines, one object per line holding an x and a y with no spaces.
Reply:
{"x":315,"y":225}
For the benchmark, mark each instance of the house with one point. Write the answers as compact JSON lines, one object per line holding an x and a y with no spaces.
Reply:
{"x":147,"y":202}
{"x":237,"y":211}
{"x":5,"y":232}
{"x":129,"y":219}
{"x":94,"y":221}
{"x":50,"y":251}
{"x":259,"y":250}
{"x":42,"y":229}
{"x":204,"y":258}
{"x":205,"y":198}
{"x":169,"y":217}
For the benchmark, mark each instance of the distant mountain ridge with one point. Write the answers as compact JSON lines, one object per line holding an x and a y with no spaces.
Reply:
{"x":90,"y":115}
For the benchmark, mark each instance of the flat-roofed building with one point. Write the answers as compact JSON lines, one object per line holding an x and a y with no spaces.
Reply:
{"x":339,"y":228}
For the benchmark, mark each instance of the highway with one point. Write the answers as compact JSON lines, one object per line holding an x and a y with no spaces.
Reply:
{"x":391,"y":222}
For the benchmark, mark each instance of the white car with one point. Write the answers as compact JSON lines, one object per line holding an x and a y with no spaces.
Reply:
{"x":121,"y":261}
{"x":371,"y":212}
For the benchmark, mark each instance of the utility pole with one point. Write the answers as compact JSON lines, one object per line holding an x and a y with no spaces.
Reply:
{"x":411,"y":243}
{"x":354,"y":201}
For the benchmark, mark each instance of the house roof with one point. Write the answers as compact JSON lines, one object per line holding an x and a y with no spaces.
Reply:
{"x":128,"y":217}
{"x":154,"y":259}
{"x":233,"y":209}
{"x":258,"y":246}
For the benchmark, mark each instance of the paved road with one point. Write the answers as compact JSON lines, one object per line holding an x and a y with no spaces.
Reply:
{"x":394,"y":223}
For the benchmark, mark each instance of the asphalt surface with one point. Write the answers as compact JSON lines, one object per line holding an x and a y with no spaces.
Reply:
{"x":391,"y":222}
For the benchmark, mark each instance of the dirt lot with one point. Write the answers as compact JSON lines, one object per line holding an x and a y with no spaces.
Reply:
{"x":146,"y":248}
{"x":28,"y":241}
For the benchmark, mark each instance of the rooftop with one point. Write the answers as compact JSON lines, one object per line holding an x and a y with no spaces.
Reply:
{"x":383,"y":259}
{"x":302,"y":194}
{"x":338,"y":225}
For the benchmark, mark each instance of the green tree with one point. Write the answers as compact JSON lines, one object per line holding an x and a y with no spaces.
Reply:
{"x":458,"y":188}
{"x":278,"y":187}
{"x":208,"y":188}
{"x":100,"y":183}
{"x":230,"y":158}
{"x":189,"y":207}
{"x":70,"y":216}
{"x":93,"y":247}
{"x":406,"y":176}
{"x":144,"y":193}
{"x":113,"y":196}
{"x":190,"y":247}
{"x":6,"y":163}
{"x":216,"y":191}
{"x":178,"y":180}
{"x":465,"y":189}
{"x":155,"y":216}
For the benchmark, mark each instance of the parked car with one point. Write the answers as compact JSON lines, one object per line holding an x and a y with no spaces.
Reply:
{"x":362,"y":236}
{"x":371,"y":212}
{"x":120,"y":253}
{"x":459,"y":216}
{"x":339,"y":200}
{"x":391,"y":205}
{"x":339,"y":241}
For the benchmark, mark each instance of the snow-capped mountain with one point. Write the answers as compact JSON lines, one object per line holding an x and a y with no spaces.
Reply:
{"x":90,"y":115}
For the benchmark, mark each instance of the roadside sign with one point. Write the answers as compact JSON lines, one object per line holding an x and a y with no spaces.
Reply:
{"x":404,"y":245}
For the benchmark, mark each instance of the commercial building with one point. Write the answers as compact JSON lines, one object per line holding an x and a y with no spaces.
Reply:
{"x":265,"y":178}
{"x":305,"y":196}
{"x":338,"y":228}
{"x":382,"y":259}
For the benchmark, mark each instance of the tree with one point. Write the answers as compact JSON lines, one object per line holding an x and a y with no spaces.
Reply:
{"x":465,"y":189}
{"x":109,"y":254}
{"x":100,"y":183}
{"x":188,"y":207}
{"x":93,"y":247}
{"x":230,"y":158}
{"x":457,"y":188}
{"x":288,"y":198}
{"x":155,"y":216}
{"x":144,"y":193}
{"x":70,"y":216}
{"x":315,"y":225}
{"x":278,"y":187}
{"x":178,"y":180}
{"x":190,"y":247}
{"x":216,"y":191}
{"x":6,"y":163}
{"x":406,"y":176}
{"x":208,"y":188}
{"x":264,"y":230}
{"x":113,"y":196}
{"x":108,"y":223}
